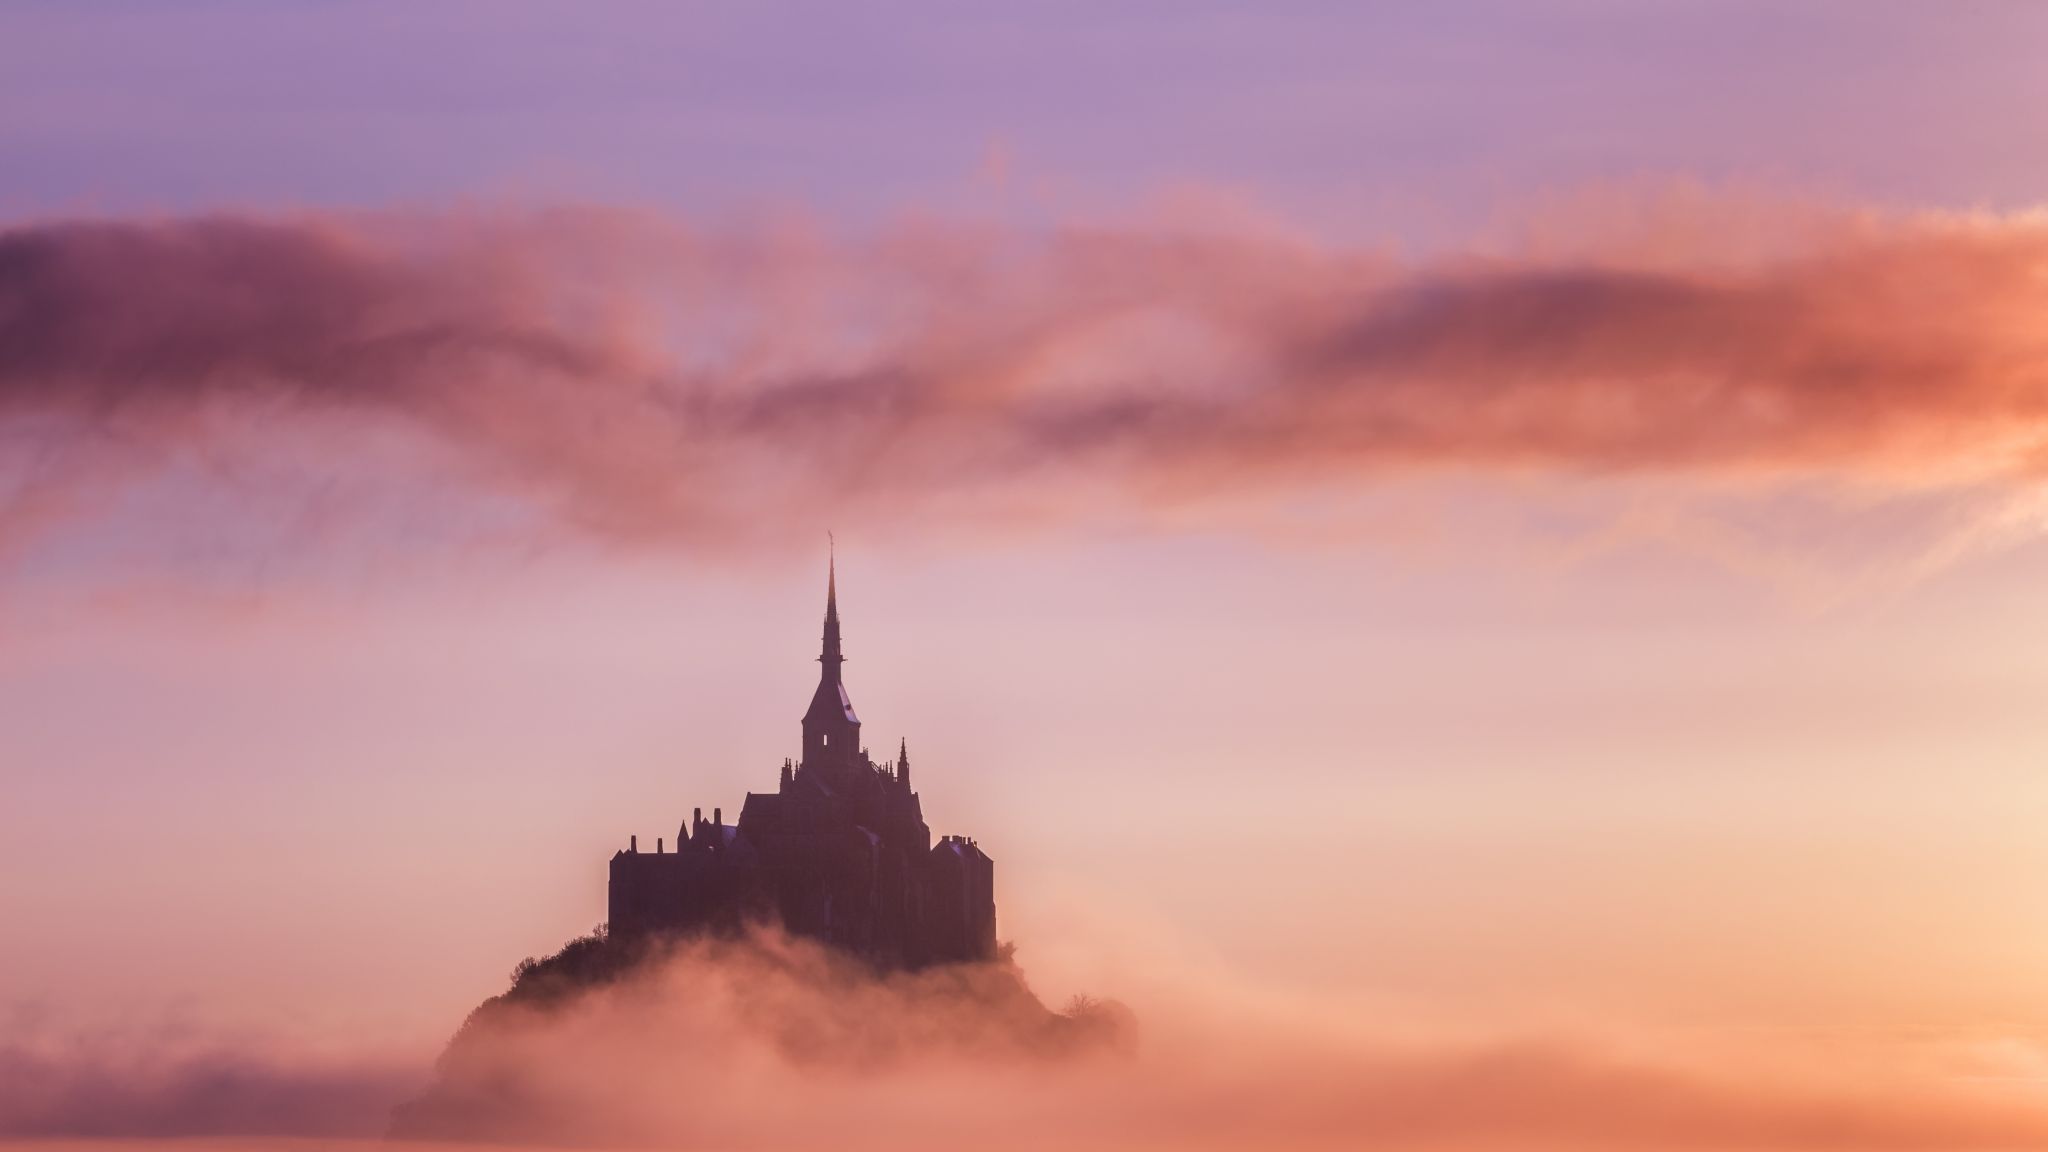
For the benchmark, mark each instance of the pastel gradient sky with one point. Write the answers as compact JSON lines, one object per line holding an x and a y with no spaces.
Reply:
{"x":1687,"y":728}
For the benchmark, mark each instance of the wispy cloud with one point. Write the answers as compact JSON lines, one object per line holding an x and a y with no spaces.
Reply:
{"x":632,"y":378}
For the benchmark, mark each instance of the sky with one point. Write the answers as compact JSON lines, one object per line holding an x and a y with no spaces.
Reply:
{"x":1487,"y":520}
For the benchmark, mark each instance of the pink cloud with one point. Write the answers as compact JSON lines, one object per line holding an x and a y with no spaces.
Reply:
{"x":635,"y":380}
{"x":772,"y":1043}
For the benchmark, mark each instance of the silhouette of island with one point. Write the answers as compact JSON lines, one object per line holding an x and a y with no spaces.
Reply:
{"x":826,"y":913}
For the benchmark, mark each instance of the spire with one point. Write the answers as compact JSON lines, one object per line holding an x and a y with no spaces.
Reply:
{"x":831,"y":730}
{"x":903,"y":763}
{"x":831,"y":658}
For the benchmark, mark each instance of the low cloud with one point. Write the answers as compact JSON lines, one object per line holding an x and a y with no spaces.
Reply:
{"x":774,"y":1043}
{"x":143,"y":1089}
{"x":626,"y":377}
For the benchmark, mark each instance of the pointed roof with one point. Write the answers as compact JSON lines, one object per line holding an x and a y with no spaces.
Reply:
{"x":831,"y":657}
{"x":831,"y":695}
{"x":831,"y":698}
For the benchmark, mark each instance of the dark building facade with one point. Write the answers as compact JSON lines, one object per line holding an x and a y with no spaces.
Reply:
{"x":838,"y":852}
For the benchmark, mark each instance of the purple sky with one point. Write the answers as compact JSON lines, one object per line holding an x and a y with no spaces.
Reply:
{"x":1340,"y":112}
{"x":1699,"y":720}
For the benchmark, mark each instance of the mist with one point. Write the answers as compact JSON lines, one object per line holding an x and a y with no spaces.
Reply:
{"x":774,"y":1042}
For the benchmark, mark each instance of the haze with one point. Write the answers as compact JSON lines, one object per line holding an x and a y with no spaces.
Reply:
{"x":1450,"y":529}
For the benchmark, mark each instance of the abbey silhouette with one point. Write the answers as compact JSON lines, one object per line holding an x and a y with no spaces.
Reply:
{"x":839,"y":852}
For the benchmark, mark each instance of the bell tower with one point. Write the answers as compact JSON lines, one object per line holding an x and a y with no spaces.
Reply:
{"x":831,"y":729}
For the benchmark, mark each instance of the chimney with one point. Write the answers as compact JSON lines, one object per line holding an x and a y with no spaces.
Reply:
{"x":657,"y":845}
{"x":633,"y":844}
{"x":718,"y":817}
{"x":696,"y":822}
